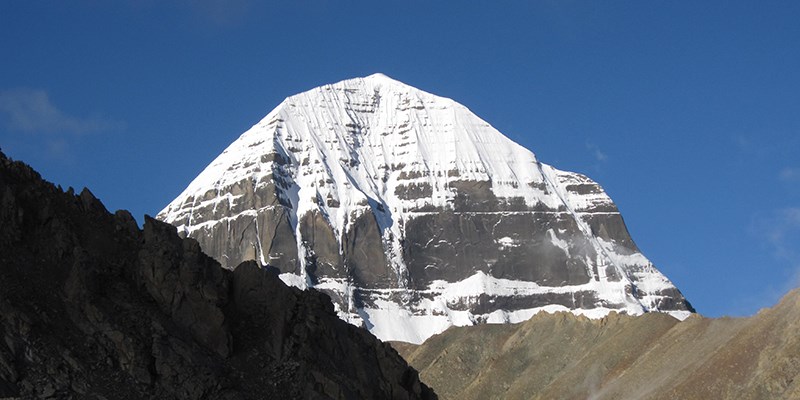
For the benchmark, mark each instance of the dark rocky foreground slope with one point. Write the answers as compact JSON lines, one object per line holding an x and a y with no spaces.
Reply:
{"x":94,"y":307}
{"x":654,"y":356}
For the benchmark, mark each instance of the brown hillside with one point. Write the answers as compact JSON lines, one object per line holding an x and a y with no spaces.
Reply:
{"x":562,"y":356}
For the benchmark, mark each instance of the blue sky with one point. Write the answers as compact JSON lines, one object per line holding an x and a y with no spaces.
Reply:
{"x":688,"y":113}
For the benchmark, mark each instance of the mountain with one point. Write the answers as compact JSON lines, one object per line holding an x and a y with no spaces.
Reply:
{"x":93,"y":307}
{"x":414,"y":215}
{"x":651,"y":357}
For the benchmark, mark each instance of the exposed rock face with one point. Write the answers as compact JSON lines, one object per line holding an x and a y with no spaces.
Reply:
{"x":414,"y":215}
{"x":93,"y":307}
{"x":651,"y":357}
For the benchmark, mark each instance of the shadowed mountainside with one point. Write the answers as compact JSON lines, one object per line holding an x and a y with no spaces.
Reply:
{"x":93,"y":307}
{"x":654,"y":356}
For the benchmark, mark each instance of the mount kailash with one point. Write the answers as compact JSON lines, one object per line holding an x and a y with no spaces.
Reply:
{"x":414,"y":215}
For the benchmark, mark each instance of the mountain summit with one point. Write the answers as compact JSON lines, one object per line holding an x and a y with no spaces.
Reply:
{"x":414,"y":215}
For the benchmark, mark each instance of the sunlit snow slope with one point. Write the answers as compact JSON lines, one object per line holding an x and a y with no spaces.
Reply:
{"x":415,"y":215}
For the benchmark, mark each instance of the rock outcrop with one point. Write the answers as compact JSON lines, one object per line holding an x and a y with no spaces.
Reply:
{"x":650,"y":357}
{"x":94,"y":308}
{"x":414,"y":214}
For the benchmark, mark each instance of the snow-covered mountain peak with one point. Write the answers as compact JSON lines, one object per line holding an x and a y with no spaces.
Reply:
{"x":414,"y":214}
{"x":380,"y":76}
{"x":402,"y":125}
{"x":375,"y":81}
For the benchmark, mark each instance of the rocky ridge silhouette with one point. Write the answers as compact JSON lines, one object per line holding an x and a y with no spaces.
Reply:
{"x":93,"y":307}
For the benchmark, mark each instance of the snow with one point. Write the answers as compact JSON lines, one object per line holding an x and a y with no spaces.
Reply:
{"x":405,"y":126}
{"x":390,"y":320}
{"x":359,"y":142}
{"x":507,"y":242}
{"x":292,"y":279}
{"x":558,"y":242}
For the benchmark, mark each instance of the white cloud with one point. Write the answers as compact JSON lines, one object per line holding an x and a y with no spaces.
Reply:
{"x":31,"y":111}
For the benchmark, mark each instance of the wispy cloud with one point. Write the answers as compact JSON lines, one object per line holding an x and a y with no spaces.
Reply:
{"x":29,"y":116}
{"x":790,"y":175}
{"x":780,"y":231}
{"x":783,"y":222}
{"x":31,"y":111}
{"x":596,"y":152}
{"x":750,"y":147}
{"x":742,"y":143}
